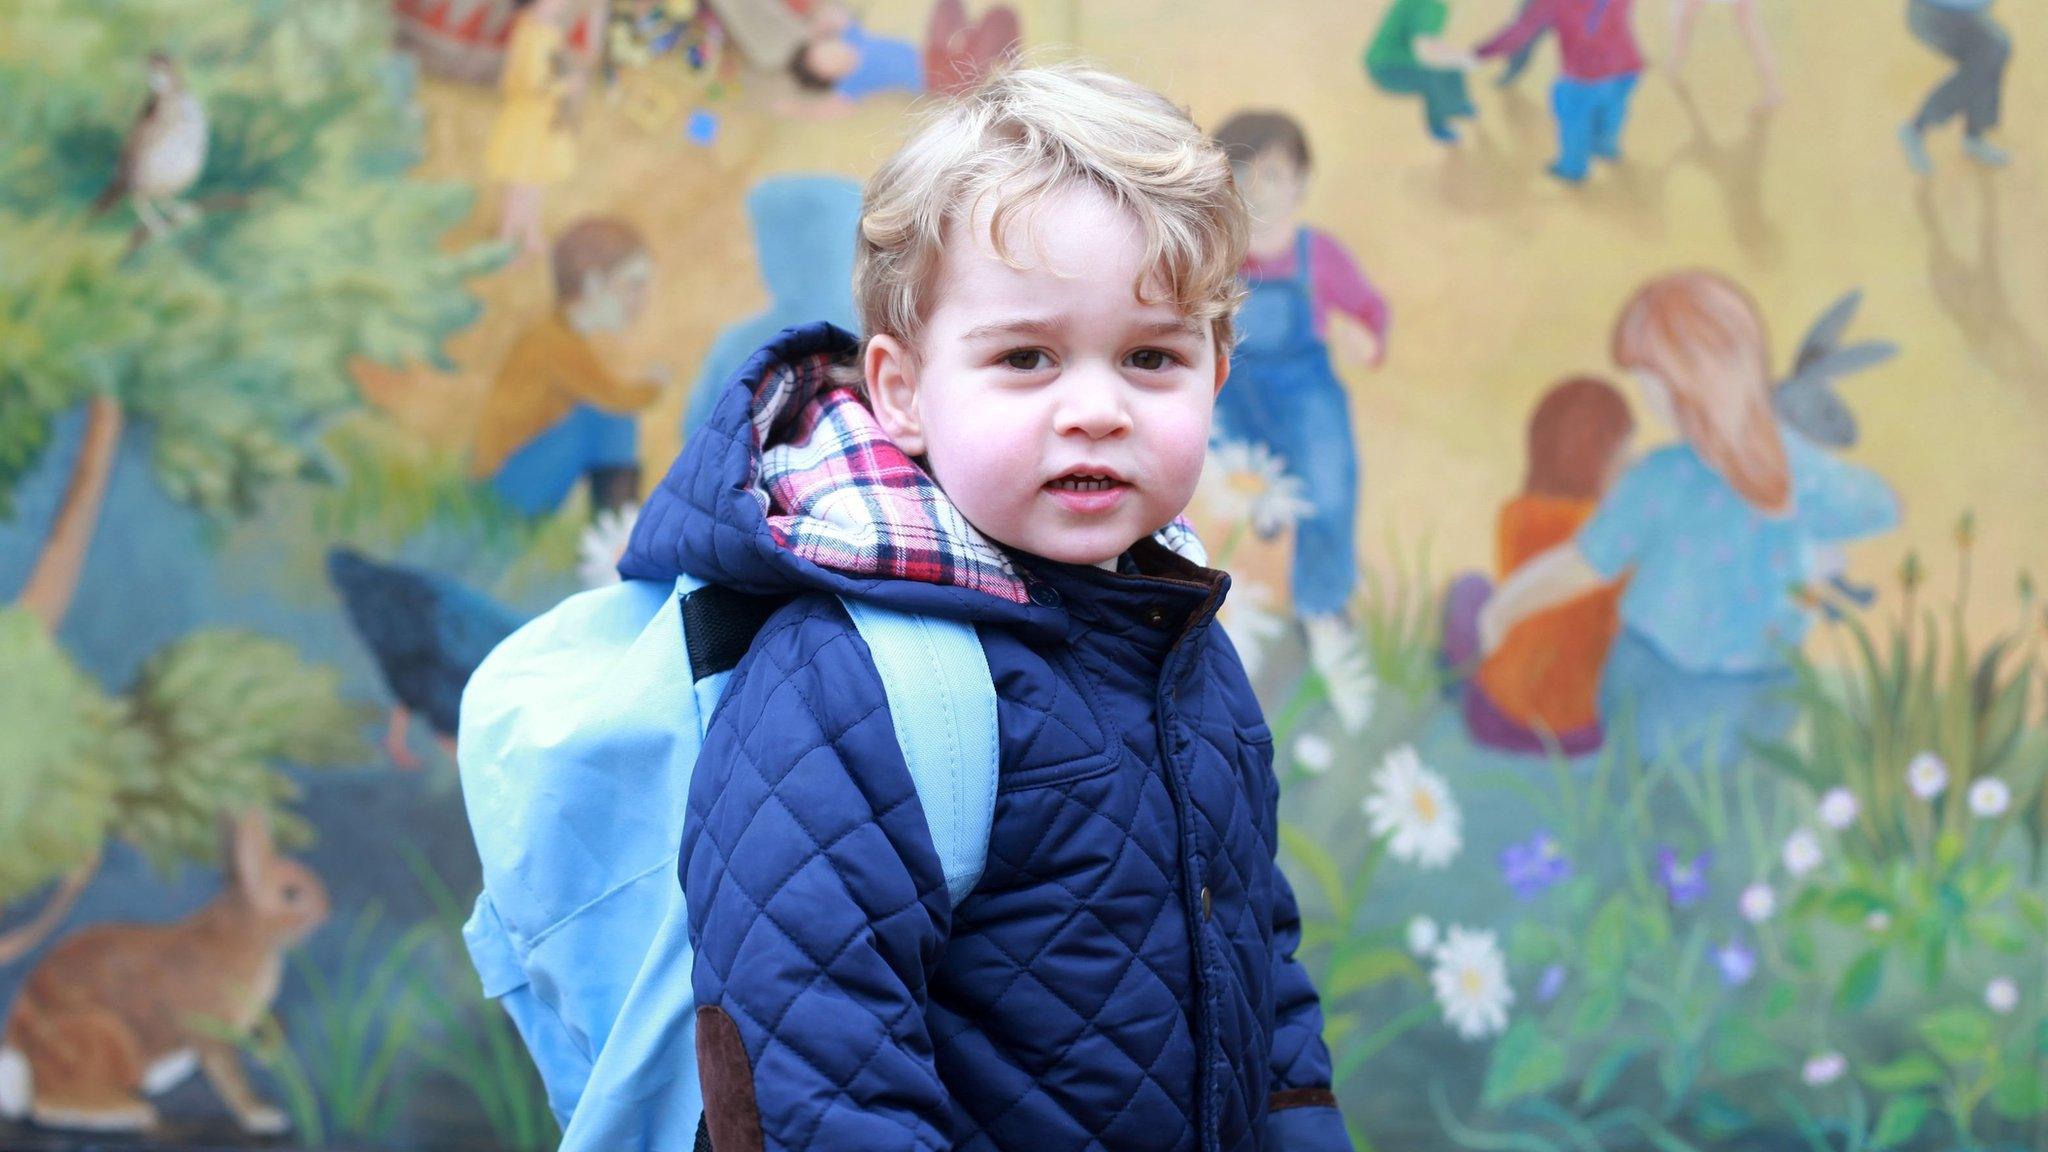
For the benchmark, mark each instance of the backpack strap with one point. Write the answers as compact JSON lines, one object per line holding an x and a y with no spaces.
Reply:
{"x":943,"y":701}
{"x":719,"y":625}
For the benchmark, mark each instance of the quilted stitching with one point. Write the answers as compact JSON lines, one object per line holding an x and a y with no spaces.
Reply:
{"x":1076,"y":1000}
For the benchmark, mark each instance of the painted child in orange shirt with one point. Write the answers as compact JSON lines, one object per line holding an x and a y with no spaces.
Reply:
{"x":1542,"y":685}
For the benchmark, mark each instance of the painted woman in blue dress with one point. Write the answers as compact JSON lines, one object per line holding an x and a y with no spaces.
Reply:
{"x":1714,"y":532}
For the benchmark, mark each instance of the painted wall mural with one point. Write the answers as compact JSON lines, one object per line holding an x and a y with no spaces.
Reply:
{"x":1631,"y":478}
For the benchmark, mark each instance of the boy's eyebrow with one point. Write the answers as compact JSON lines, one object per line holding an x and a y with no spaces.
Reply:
{"x":1184,"y":326}
{"x":1029,"y":327}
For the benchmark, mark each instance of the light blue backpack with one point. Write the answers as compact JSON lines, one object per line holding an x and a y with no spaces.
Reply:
{"x":578,"y":737}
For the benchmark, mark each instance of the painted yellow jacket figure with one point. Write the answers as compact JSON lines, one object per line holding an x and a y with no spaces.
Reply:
{"x":551,"y":369}
{"x":531,"y":143}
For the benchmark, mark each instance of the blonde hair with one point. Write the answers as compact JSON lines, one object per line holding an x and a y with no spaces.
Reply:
{"x":1023,"y":134}
{"x":1702,"y":335}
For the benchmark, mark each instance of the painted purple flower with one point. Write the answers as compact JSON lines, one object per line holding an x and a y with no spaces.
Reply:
{"x":1737,"y":963}
{"x":1533,"y":867}
{"x":1685,"y":884}
{"x":1551,"y":982}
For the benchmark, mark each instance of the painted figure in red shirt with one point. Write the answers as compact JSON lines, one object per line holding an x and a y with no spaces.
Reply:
{"x":1600,"y":66}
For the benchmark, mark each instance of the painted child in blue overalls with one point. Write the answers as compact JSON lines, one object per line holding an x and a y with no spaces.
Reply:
{"x":1305,"y":290}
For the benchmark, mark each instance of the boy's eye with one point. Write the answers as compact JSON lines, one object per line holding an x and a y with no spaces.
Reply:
{"x":1025,"y":359}
{"x":1151,"y":359}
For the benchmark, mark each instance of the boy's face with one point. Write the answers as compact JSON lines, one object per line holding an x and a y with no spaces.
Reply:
{"x":1272,"y":186}
{"x":611,"y":300}
{"x":1029,"y":376}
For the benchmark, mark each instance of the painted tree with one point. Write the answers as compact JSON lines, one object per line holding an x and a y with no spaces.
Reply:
{"x":227,"y":339}
{"x":197,"y":732}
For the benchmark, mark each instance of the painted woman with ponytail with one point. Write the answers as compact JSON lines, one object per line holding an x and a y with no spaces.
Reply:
{"x":1712,"y":530}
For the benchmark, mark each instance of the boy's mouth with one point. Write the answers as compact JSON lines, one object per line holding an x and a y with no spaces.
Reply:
{"x":1088,"y":479}
{"x":1085,"y":492}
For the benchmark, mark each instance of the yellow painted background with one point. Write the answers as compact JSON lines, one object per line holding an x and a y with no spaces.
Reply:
{"x":1500,"y":279}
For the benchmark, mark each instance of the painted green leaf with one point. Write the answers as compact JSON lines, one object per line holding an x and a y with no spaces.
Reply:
{"x":1958,"y":1035}
{"x":2002,"y":933}
{"x":1739,"y":1048}
{"x":1363,"y":969}
{"x":1782,"y":998}
{"x":1605,"y":1070}
{"x":1597,"y":1012}
{"x":1799,"y":949}
{"x":1314,"y":857}
{"x":1908,"y":1072}
{"x":1607,"y":942}
{"x":1861,"y":983}
{"x":2034,"y":910}
{"x":1676,"y":1070}
{"x":1525,"y":1063}
{"x":1898,"y":1122}
{"x":2020,"y":1093}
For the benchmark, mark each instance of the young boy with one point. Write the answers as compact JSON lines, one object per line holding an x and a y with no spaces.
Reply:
{"x":555,"y":413}
{"x":1046,"y":273}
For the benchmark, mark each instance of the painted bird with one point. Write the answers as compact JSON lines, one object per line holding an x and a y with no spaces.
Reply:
{"x":163,"y":154}
{"x":427,"y":634}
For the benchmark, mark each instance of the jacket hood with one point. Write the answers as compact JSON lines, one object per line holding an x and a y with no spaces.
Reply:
{"x":791,"y":486}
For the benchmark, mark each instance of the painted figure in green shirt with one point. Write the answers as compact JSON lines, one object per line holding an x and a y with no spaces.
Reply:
{"x":1409,"y":57}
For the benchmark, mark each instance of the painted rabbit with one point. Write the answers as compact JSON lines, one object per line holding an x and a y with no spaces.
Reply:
{"x":1807,"y":399}
{"x":1808,"y":403}
{"x":118,"y":1012}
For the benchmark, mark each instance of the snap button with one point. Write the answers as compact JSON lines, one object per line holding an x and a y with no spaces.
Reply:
{"x":1208,"y":906}
{"x":1155,"y":616}
{"x":1044,"y":596}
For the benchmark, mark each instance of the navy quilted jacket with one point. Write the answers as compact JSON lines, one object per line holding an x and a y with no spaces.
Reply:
{"x":1122,"y":978}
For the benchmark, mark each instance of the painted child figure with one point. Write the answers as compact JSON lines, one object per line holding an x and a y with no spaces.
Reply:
{"x":556,"y":413}
{"x":843,"y":63}
{"x":1600,"y":64}
{"x":532,"y":146}
{"x":1540,"y":690}
{"x":1408,"y":56}
{"x":1012,"y":445}
{"x":1966,"y":33}
{"x":1305,"y":292}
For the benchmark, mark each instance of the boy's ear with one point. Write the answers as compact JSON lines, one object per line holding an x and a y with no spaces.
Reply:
{"x":1222,"y":371}
{"x":892,"y":392}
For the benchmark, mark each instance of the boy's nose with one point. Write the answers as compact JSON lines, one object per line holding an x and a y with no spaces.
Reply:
{"x":1094,"y":408}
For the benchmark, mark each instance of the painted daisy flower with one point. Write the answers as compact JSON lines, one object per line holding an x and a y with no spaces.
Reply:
{"x":597,"y":554}
{"x":1838,"y":808}
{"x":1250,"y":620}
{"x":1423,"y":936}
{"x":1989,"y":797}
{"x":1413,"y":807}
{"x":2002,"y":996}
{"x":1471,"y":983}
{"x":1878,"y":922}
{"x":1338,"y":657}
{"x":1802,"y":852}
{"x":1758,"y":903}
{"x":1247,"y":482}
{"x":1927,"y":775}
{"x":1825,"y":1068}
{"x":1314,"y":753}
